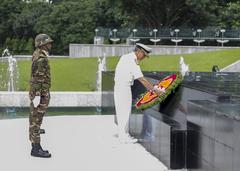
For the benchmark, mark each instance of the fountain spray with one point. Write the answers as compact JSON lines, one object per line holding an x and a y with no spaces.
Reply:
{"x":11,"y":76}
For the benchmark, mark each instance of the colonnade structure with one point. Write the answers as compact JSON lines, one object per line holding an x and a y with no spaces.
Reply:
{"x":176,"y":36}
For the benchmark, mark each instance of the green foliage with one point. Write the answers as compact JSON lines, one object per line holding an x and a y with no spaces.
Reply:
{"x":29,"y":46}
{"x":110,"y":14}
{"x":26,"y":20}
{"x":74,"y":21}
{"x":8,"y":9}
{"x":231,"y":15}
{"x":69,"y":22}
{"x":19,"y":46}
{"x":203,"y":13}
{"x":155,"y":13}
{"x":8,"y":43}
{"x":15,"y":46}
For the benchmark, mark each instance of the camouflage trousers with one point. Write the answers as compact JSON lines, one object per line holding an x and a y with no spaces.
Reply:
{"x":37,"y":113}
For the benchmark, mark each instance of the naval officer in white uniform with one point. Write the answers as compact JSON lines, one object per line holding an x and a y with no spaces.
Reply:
{"x":126,"y":72}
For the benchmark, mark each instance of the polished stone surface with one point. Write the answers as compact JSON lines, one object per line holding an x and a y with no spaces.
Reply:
{"x":215,"y":127}
{"x":197,"y":126}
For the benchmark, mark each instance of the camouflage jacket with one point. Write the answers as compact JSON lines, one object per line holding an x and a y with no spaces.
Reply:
{"x":40,"y":72}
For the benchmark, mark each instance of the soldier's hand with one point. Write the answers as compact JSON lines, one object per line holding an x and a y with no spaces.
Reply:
{"x":31,"y":96}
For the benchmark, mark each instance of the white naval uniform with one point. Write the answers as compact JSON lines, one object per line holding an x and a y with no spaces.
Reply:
{"x":126,"y":72}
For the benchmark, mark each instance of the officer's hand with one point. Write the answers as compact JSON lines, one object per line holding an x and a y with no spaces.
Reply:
{"x":158,"y":90}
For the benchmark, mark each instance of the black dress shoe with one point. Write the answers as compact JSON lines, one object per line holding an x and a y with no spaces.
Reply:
{"x":37,"y":151}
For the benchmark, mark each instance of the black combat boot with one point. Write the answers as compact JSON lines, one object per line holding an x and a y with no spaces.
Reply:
{"x":40,"y":148}
{"x":42,"y":131}
{"x":37,"y":151}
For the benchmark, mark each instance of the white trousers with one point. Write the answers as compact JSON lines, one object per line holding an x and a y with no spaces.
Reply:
{"x":123,"y":106}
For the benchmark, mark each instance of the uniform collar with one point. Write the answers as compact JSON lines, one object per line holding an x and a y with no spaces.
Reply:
{"x":45,"y":52}
{"x":135,"y":58}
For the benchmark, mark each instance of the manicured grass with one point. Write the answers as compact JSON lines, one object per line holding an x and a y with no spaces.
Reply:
{"x":67,"y":74}
{"x":197,"y":61}
{"x":80,"y":74}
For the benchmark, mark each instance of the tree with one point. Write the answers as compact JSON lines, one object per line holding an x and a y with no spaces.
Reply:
{"x":8,"y":9}
{"x":170,"y":13}
{"x":8,"y":43}
{"x":29,"y":46}
{"x":230,"y":16}
{"x":21,"y":47}
{"x":74,"y":21}
{"x":111,"y":15}
{"x":69,"y":22}
{"x":15,"y":47}
{"x":155,"y":13}
{"x":27,"y":18}
{"x":203,"y":13}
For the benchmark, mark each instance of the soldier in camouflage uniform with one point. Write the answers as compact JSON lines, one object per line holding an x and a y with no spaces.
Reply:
{"x":40,"y":84}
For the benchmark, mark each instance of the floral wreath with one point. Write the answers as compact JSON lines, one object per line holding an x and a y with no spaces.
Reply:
{"x":150,"y":98}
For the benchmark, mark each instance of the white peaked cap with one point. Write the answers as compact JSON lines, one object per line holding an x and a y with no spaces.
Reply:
{"x":143,"y":47}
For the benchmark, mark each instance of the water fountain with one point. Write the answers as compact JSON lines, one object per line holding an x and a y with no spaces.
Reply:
{"x":101,"y":67}
{"x":9,"y":76}
{"x":184,"y":68}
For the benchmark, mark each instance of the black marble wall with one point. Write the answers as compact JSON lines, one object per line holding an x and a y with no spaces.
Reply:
{"x":213,"y":135}
{"x":197,"y":127}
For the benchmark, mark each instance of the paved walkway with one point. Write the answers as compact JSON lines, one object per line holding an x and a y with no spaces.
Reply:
{"x":77,"y":143}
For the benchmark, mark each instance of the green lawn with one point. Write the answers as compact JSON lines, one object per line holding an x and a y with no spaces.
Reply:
{"x":67,"y":74}
{"x":80,"y":74}
{"x":197,"y":61}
